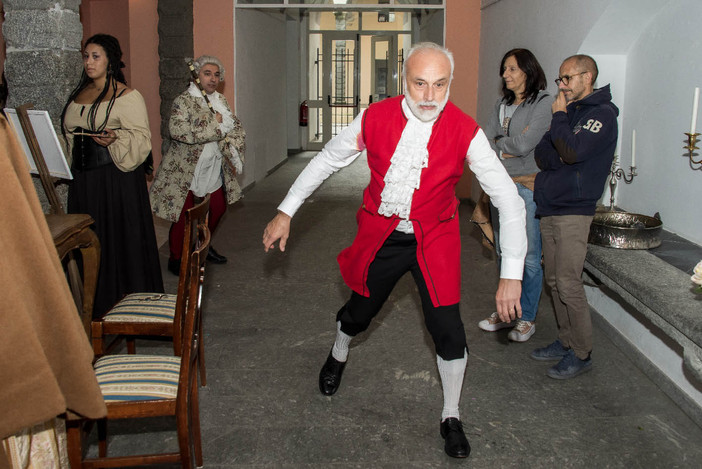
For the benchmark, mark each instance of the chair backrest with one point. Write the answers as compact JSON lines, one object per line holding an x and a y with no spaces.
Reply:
{"x":192,"y":325}
{"x":195,"y":216}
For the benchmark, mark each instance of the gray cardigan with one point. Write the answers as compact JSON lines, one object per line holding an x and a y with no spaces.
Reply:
{"x":537,"y":117}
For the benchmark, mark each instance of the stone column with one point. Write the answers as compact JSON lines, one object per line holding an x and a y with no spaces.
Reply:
{"x":175,"y":48}
{"x":43,"y":62}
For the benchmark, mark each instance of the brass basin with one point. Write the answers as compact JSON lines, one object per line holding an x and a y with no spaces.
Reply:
{"x":625,"y":230}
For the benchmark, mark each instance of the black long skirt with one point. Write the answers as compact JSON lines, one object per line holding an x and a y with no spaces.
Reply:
{"x":119,"y":203}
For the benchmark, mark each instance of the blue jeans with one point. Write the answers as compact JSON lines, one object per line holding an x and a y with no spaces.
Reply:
{"x":533,"y":278}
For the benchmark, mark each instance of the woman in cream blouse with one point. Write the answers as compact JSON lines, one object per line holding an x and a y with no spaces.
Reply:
{"x":107,"y":130}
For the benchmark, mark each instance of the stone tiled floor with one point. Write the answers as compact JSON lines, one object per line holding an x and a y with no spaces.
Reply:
{"x":270,"y":323}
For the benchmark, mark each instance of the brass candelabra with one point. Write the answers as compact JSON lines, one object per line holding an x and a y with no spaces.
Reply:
{"x":691,"y":147}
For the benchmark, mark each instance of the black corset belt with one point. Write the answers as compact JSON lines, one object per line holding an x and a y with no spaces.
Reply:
{"x":87,"y":154}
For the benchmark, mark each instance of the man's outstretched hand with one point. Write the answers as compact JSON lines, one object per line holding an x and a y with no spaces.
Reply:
{"x":277,"y":229}
{"x":507,"y":298}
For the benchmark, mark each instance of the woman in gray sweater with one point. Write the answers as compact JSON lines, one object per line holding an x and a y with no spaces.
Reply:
{"x":519,"y":120}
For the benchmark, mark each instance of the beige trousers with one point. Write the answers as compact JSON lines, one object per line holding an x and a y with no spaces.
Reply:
{"x":564,"y":244}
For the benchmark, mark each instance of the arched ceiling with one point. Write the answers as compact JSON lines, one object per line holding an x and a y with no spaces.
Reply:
{"x":620,"y":25}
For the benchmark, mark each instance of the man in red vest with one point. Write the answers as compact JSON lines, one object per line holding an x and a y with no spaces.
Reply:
{"x":416,"y":147}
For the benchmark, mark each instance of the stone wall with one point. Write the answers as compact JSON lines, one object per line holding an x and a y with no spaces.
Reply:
{"x":175,"y":49}
{"x":43,"y":59}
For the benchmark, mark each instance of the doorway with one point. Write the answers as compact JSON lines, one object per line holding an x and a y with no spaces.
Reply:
{"x":382,"y":57}
{"x":278,"y":73}
{"x":354,"y":59}
{"x":333,"y":85}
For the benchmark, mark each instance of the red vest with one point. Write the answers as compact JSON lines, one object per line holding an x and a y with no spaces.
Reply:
{"x":434,"y":211}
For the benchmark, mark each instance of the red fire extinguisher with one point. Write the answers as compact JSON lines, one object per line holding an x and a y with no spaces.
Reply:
{"x":303,"y":113}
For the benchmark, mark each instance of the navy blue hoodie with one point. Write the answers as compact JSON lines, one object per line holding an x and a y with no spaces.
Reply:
{"x":575,"y":156}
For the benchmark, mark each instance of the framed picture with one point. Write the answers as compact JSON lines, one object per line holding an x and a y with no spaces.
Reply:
{"x":47,"y":139}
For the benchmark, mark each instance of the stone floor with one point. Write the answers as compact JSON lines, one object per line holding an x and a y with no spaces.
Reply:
{"x":270,"y":323}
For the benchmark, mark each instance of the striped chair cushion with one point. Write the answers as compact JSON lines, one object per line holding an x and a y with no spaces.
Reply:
{"x":137,"y":377}
{"x":143,"y":307}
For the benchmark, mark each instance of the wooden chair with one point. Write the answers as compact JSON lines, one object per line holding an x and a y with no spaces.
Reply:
{"x":153,"y":314}
{"x":72,"y":232}
{"x":69,"y":231}
{"x":139,"y":386}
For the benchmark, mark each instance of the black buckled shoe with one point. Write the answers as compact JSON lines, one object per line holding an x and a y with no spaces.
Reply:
{"x":330,"y":375}
{"x":214,"y":256}
{"x":456,"y":444}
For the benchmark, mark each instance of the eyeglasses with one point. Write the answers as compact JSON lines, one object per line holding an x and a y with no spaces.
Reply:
{"x":566,"y":78}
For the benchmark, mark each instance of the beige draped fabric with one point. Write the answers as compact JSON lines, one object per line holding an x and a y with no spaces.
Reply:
{"x":46,"y":367}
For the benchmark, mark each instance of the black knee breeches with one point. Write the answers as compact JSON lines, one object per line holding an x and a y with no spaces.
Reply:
{"x":397,"y":256}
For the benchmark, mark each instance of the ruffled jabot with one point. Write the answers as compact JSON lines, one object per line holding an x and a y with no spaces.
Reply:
{"x":403,"y":177}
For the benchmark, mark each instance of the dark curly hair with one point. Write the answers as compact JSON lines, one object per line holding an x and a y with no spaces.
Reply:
{"x":113,"y":51}
{"x":535,"y":77}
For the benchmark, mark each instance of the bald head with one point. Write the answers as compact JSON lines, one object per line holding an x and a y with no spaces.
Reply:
{"x":577,"y":77}
{"x":586,"y":64}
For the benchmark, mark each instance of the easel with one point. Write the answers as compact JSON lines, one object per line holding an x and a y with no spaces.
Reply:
{"x":69,"y":231}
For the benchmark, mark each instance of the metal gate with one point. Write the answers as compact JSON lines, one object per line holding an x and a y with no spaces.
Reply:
{"x":334,"y":100}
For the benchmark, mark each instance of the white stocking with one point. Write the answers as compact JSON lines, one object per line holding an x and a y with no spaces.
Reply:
{"x":340,"y":351}
{"x":451,"y":373}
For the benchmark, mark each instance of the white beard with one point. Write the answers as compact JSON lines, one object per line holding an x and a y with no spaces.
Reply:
{"x":421,"y":114}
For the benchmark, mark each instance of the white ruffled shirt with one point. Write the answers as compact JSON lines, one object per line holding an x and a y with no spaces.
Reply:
{"x":406,"y":164}
{"x":343,"y":150}
{"x":208,"y":171}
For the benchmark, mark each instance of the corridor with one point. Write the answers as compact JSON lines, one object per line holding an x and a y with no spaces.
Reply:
{"x":269,"y":325}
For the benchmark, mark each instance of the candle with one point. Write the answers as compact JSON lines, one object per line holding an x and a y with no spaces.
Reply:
{"x":633,"y":148}
{"x":695,"y":103}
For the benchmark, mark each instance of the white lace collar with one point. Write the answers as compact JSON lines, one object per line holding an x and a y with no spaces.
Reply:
{"x":410,"y":157}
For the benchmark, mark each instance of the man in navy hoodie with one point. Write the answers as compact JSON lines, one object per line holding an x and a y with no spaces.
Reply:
{"x":575,"y":157}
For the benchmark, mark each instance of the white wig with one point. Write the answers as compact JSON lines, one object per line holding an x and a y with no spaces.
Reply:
{"x":207,"y":60}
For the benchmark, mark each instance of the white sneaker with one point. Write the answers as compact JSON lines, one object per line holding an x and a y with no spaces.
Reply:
{"x":522,"y":331}
{"x":494,"y":323}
